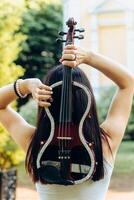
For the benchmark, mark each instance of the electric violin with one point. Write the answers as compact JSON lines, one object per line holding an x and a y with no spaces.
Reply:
{"x":66,"y":157}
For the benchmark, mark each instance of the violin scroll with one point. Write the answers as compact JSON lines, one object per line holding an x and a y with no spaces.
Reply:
{"x":71,"y":34}
{"x":80,"y":37}
{"x":80,"y":30}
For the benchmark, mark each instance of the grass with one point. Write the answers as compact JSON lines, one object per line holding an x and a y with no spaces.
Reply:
{"x":23,"y":178}
{"x":124,"y":165}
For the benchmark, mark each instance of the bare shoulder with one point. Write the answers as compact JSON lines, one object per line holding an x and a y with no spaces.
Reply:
{"x":109,"y":147}
{"x":19,"y":129}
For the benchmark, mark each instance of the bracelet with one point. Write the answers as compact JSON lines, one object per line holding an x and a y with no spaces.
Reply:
{"x":17,"y":89}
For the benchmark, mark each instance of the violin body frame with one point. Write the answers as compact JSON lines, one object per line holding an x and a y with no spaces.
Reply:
{"x":79,"y":140}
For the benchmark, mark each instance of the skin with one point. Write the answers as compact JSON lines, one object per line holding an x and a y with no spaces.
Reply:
{"x":118,"y":113}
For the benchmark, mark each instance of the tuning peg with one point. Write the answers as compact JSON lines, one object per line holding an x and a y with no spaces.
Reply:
{"x":60,"y":40}
{"x":80,"y":37}
{"x":80,"y":30}
{"x":62,"y":33}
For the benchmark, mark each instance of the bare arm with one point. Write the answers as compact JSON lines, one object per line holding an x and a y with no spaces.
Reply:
{"x":113,"y":70}
{"x":19,"y":129}
{"x":120,"y":108}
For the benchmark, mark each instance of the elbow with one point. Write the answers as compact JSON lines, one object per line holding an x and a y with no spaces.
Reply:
{"x":3,"y":107}
{"x":128,"y":83}
{"x":131,"y":83}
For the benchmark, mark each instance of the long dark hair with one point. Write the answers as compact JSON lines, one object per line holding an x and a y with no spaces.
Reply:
{"x":92,"y":131}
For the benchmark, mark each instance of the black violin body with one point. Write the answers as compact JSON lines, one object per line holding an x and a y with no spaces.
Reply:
{"x":66,"y":157}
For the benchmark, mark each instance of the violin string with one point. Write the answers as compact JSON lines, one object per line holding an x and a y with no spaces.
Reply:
{"x":66,"y":116}
{"x":69,"y":91}
{"x":66,"y":111}
{"x":59,"y":129}
{"x":69,"y":110}
{"x":70,"y":103}
{"x":61,"y":120}
{"x":64,"y":131}
{"x":63,"y":115}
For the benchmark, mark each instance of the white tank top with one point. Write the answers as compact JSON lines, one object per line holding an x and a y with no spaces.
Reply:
{"x":88,"y":190}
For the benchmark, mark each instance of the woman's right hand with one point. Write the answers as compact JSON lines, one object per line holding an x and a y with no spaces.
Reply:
{"x":73,"y":56}
{"x":41,"y":93}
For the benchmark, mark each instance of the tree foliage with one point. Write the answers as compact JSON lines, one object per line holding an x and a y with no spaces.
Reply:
{"x":29,"y":112}
{"x":10,"y":154}
{"x":10,"y":39}
{"x":103,"y":105}
{"x":10,"y":20}
{"x":41,"y":23}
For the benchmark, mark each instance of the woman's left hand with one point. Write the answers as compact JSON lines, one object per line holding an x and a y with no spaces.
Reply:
{"x":73,"y":56}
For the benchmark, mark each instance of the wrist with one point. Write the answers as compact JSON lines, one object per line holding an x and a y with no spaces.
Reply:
{"x":24,"y":86}
{"x":88,"y":57}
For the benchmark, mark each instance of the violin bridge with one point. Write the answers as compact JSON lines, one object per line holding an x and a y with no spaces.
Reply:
{"x":64,"y":138}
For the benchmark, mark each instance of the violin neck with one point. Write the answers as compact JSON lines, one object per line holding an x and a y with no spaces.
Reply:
{"x":66,"y":96}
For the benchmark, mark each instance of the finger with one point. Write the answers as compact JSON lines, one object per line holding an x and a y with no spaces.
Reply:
{"x":43,"y":97}
{"x":70,"y":46}
{"x":44,"y":92}
{"x":68,"y":51}
{"x":69,"y":63}
{"x":51,"y":99}
{"x":44,"y":104}
{"x":60,"y":60}
{"x":68,"y":57}
{"x":43,"y":86}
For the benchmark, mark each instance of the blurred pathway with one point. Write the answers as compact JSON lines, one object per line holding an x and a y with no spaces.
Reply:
{"x":114,"y":195}
{"x":26,"y":194}
{"x":30,"y":194}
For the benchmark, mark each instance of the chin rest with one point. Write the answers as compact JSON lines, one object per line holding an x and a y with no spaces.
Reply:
{"x":52,"y":175}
